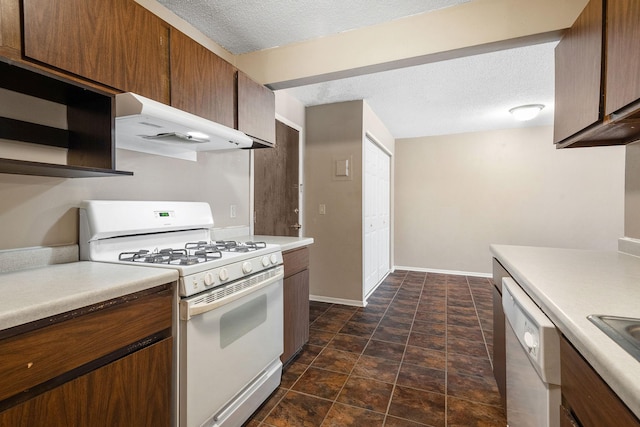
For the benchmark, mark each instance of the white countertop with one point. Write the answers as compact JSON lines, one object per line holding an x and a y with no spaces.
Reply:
{"x":569,"y":285}
{"x":37,"y":293}
{"x":286,"y":243}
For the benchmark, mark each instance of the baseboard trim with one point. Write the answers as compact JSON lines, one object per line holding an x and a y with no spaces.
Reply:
{"x":629,"y":246}
{"x":435,"y":270}
{"x":351,"y":302}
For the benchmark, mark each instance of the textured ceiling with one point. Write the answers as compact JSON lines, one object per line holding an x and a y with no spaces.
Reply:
{"x":250,"y":25}
{"x":468,"y":94}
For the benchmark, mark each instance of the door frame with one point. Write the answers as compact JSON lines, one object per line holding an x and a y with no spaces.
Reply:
{"x":300,"y":130}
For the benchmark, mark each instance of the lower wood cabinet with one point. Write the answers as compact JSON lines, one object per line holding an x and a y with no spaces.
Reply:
{"x":132,"y":391}
{"x":499,"y":349}
{"x":296,"y":302}
{"x":587,"y":401}
{"x":106,"y":365}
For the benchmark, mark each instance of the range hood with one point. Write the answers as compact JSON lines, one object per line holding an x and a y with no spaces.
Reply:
{"x":149,"y":126}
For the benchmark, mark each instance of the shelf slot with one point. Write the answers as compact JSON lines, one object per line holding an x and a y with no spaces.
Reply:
{"x":18,"y":130}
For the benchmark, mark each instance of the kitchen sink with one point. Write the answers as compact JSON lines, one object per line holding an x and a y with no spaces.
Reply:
{"x":625,"y":331}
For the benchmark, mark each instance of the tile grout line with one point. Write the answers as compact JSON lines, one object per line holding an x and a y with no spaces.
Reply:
{"x":446,"y":352}
{"x":333,"y":402}
{"x":484,"y":337}
{"x":386,"y":412}
{"x":404,"y":352}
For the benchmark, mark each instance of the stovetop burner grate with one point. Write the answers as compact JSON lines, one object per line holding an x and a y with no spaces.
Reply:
{"x":234,"y":246}
{"x":193,"y":252}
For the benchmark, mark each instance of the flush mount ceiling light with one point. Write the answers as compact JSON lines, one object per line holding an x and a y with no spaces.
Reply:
{"x":526,"y":112}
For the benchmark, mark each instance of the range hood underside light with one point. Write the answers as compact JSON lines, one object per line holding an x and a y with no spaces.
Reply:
{"x":152,"y":127}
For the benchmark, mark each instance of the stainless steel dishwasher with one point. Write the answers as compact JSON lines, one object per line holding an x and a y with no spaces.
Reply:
{"x":533,"y":361}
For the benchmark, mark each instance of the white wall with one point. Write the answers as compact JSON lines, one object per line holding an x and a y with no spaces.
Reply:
{"x":457,"y":194}
{"x":42,"y":211}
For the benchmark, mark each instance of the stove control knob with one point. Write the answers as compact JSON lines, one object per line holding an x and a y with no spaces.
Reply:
{"x":265,"y":261}
{"x":247,"y":267}
{"x":274,"y":259}
{"x":208,"y":279}
{"x":223,"y":274}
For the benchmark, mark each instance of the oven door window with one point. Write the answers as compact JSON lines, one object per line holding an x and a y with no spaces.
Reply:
{"x":241,"y":320}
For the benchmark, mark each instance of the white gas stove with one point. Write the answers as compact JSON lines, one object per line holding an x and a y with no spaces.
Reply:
{"x":230,"y":328}
{"x":170,"y":235}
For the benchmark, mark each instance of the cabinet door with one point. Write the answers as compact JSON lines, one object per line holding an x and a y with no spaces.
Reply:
{"x":586,"y":394}
{"x":132,"y":391}
{"x":499,"y":355}
{"x":578,"y":59}
{"x":623,"y":57}
{"x":117,"y":43}
{"x":256,"y":109}
{"x":10,"y":29}
{"x":277,"y":184}
{"x":499,"y":349}
{"x":202,"y":83}
{"x":296,"y":313}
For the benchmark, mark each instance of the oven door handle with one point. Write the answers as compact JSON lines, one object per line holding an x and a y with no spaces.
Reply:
{"x":202,"y":304}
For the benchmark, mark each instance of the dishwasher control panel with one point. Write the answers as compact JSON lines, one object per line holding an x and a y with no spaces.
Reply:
{"x":537,"y":335}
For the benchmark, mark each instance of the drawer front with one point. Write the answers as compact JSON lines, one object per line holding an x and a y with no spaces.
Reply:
{"x":295,"y":261}
{"x":34,"y":357}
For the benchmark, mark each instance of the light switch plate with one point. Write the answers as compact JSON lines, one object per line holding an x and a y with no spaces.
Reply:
{"x":342,"y":167}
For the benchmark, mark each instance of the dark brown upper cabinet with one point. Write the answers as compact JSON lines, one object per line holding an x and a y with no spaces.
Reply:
{"x":597,"y":83}
{"x":623,"y":56}
{"x":202,"y":83}
{"x":578,"y":75}
{"x":117,"y":43}
{"x":10,"y":29}
{"x":256,"y":110}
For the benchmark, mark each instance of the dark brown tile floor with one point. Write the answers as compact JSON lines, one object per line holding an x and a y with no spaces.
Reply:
{"x":417,"y":355}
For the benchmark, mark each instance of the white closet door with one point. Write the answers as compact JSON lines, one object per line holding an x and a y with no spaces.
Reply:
{"x":384,"y":209}
{"x":376,"y":215}
{"x":370,"y":267}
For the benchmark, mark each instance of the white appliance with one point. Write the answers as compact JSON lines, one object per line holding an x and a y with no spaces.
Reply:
{"x":230,"y":328}
{"x":533,"y":361}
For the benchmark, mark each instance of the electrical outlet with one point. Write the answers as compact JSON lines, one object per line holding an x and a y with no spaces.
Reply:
{"x":232,"y":211}
{"x":323,"y":209}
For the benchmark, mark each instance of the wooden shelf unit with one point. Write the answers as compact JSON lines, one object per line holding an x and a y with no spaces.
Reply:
{"x":90,"y":122}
